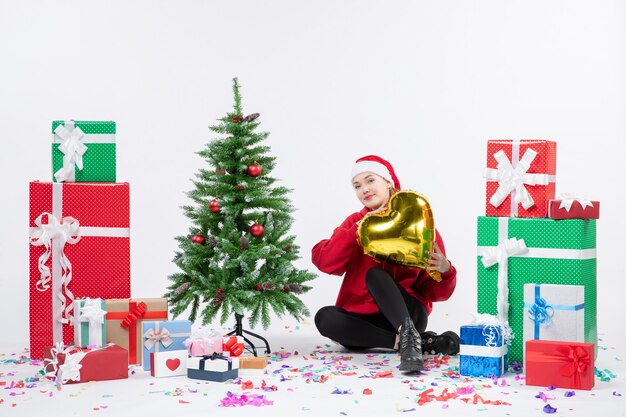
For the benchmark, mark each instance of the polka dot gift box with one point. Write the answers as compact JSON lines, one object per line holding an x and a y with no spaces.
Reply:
{"x":83,"y":151}
{"x":79,"y":248}
{"x":520,"y":177}
{"x":560,"y":252}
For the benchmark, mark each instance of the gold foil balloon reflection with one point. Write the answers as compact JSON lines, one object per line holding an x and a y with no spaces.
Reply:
{"x":402,"y":234}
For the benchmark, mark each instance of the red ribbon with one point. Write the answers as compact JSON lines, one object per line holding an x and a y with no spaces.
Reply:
{"x":129,"y":320}
{"x":233,"y":346}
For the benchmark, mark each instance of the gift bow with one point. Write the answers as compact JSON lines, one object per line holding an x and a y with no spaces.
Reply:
{"x":493,"y":329}
{"x":92,"y":312}
{"x":577,"y":360}
{"x":134,"y":315}
{"x":70,"y":369}
{"x":512,"y":180}
{"x":152,"y":338}
{"x":232,"y":346}
{"x":500,"y":254}
{"x":67,"y":230}
{"x":73,"y":150}
{"x":568,"y":199}
{"x":541,"y":312}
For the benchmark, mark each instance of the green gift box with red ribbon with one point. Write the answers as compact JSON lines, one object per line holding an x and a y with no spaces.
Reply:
{"x":559,"y":364}
{"x":125,"y":318}
{"x":515,"y":251}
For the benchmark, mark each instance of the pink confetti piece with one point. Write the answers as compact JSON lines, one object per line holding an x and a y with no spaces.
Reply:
{"x":233,"y":400}
{"x":367,"y":391}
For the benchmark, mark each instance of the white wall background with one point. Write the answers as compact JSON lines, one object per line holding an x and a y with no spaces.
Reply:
{"x":422,"y":83}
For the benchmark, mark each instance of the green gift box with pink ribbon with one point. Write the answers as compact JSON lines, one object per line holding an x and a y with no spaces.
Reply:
{"x":83,"y":151}
{"x":513,"y":252}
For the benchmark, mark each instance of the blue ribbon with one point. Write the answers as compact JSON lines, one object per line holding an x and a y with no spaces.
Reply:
{"x":541,"y":312}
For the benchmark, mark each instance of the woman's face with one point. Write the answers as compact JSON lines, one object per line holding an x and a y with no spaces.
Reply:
{"x":371,"y":189}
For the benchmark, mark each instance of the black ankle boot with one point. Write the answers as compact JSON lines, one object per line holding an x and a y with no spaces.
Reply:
{"x":447,"y":343}
{"x":410,"y":348}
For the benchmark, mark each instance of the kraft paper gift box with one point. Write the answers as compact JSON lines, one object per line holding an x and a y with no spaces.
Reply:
{"x":520,"y":177}
{"x":554,"y":312}
{"x":168,"y":363}
{"x":125,"y":318}
{"x":482,"y":351}
{"x":513,"y":252}
{"x":560,"y":364}
{"x":573,"y":208}
{"x":159,"y":336}
{"x":90,"y":322}
{"x":79,"y":247}
{"x":216,"y":367}
{"x":252,"y":365}
{"x":74,"y":364}
{"x":83,"y":151}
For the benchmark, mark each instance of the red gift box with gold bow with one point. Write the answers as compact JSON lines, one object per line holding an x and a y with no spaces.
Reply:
{"x":124,"y":318}
{"x":560,"y":364}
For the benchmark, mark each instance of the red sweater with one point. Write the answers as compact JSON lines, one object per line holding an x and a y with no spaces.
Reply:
{"x":342,"y":254}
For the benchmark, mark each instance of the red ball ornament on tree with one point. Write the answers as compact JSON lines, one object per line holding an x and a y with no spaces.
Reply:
{"x":259,"y":287}
{"x":254,"y":170}
{"x":214,"y":206}
{"x":256,"y":230}
{"x":239,"y":187}
{"x":198,"y":239}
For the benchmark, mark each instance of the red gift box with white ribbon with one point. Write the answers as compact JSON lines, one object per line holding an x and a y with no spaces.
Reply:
{"x":560,"y":364}
{"x":520,"y":177}
{"x":74,"y":364}
{"x":572,"y":207}
{"x":79,"y":248}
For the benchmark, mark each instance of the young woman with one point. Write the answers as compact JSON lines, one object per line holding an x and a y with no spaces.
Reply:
{"x":381,"y":305}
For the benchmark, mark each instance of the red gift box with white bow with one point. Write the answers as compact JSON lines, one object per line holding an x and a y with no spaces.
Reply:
{"x":560,"y":364}
{"x":573,"y":208}
{"x":520,"y":177}
{"x":72,"y":364}
{"x":79,"y":248}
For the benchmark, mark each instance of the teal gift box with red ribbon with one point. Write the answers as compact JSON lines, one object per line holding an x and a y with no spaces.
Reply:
{"x":554,"y":312}
{"x":559,"y":364}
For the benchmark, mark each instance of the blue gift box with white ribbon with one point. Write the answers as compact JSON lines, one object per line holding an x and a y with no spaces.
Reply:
{"x":483,"y":351}
{"x":163,"y":336}
{"x":554,"y":312}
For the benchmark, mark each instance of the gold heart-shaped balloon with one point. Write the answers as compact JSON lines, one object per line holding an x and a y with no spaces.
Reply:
{"x":401,"y":234}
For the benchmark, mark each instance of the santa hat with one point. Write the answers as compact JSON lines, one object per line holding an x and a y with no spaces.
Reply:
{"x":376,"y":165}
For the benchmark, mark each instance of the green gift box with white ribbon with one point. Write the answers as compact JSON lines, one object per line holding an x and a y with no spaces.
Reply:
{"x":83,"y":151}
{"x":517,"y":251}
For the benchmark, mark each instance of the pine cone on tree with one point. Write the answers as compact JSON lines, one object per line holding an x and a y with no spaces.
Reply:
{"x":243,"y":243}
{"x":268,"y":286}
{"x":218,"y":300}
{"x":182,"y":288}
{"x":211,"y":242}
{"x":295,"y":288}
{"x":251,"y":117}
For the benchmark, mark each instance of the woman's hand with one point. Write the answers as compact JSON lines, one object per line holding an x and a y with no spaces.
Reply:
{"x":438,"y":261}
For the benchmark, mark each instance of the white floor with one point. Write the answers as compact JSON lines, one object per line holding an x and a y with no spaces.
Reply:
{"x":313,"y":377}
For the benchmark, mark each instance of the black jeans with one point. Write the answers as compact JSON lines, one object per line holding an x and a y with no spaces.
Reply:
{"x":359,"y":331}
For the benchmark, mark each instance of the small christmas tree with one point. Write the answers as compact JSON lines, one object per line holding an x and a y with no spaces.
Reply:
{"x":238,"y":255}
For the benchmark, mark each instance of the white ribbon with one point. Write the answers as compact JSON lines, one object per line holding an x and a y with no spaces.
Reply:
{"x":153,"y":338}
{"x":493,"y":328}
{"x":568,"y":199}
{"x":92,"y":313}
{"x":500,"y":255}
{"x":70,"y":369}
{"x":73,"y":149}
{"x":61,"y":232}
{"x":512,"y":178}
{"x":483,"y":351}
